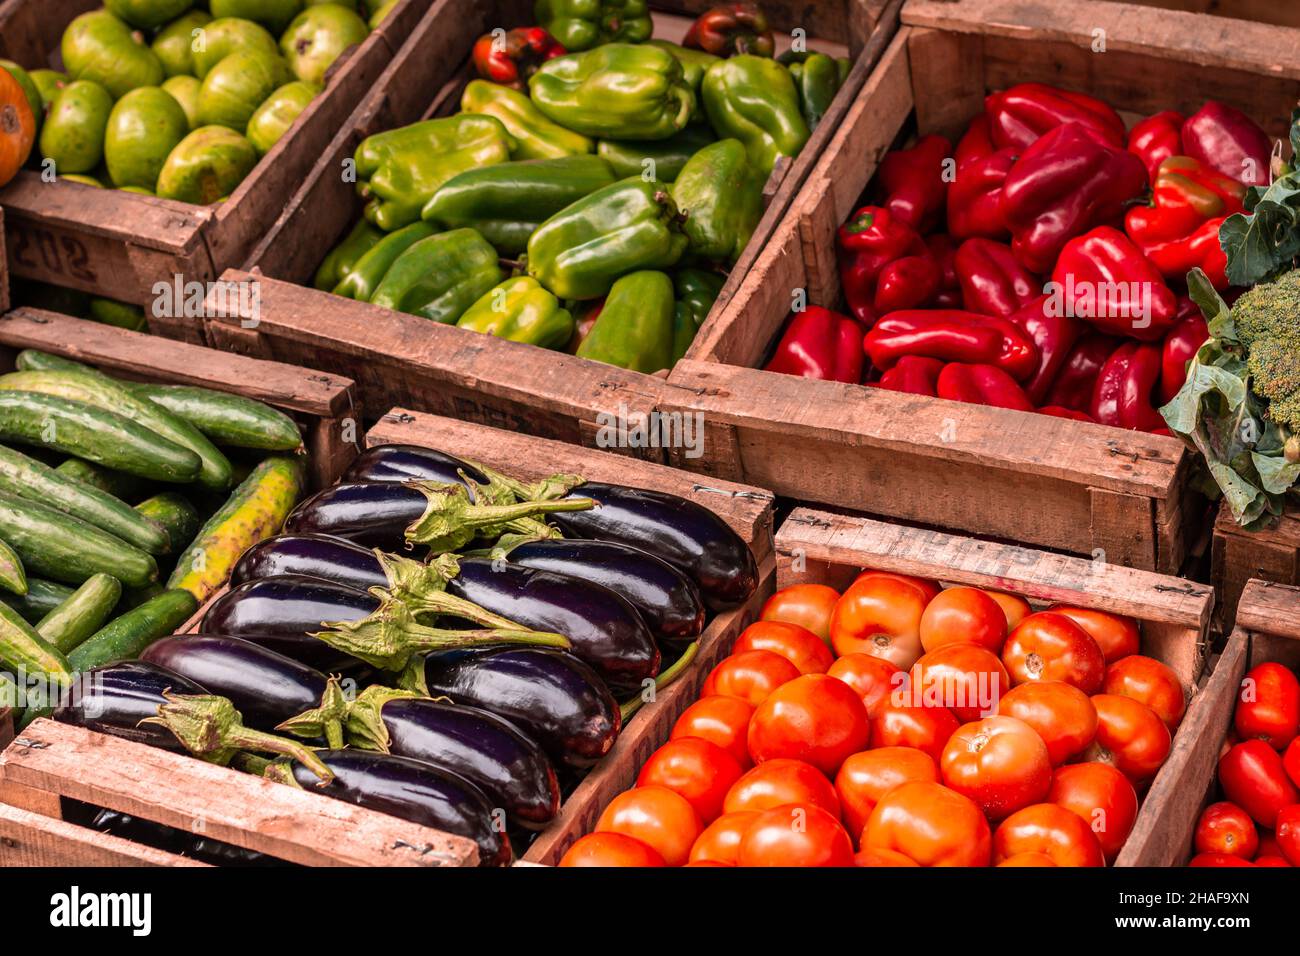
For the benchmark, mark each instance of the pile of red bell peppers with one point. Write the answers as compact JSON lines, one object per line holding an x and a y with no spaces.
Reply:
{"x":1041,"y":264}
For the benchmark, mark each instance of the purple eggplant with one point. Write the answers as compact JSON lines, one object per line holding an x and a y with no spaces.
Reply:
{"x":115,"y":698}
{"x":409,"y":463}
{"x":605,"y":629}
{"x":162,"y":837}
{"x":311,"y":555}
{"x":292,"y":605}
{"x":550,"y":695}
{"x":374,"y":514}
{"x":413,"y":790}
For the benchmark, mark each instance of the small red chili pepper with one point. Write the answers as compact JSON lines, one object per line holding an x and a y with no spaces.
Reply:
{"x":912,"y":182}
{"x":982,"y":385}
{"x":1054,"y":335}
{"x":1224,"y":138}
{"x":1078,"y":376}
{"x":913,"y":374}
{"x":1103,"y":278}
{"x":953,"y":336}
{"x":511,"y":58}
{"x":1156,"y":138}
{"x":1018,"y":116}
{"x":819,"y":343}
{"x":1181,"y":343}
{"x":992,"y":281}
{"x":1125,"y":386}
{"x":731,"y":28}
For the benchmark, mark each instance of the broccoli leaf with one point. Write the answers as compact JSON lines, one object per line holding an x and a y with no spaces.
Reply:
{"x":1218,"y":316}
{"x":1265,"y":241}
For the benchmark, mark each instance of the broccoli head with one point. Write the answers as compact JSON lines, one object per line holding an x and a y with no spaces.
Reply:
{"x":1267,"y":321}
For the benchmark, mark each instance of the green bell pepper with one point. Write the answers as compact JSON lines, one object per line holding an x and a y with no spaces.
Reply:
{"x":635,"y":328}
{"x":667,"y":155}
{"x":582,"y":24}
{"x":536,"y":137}
{"x":344,"y":256}
{"x":400,"y":170}
{"x":696,"y":291}
{"x":754,"y":100}
{"x":364,"y":276}
{"x":616,"y":91}
{"x":507,"y":202}
{"x":440,"y":277}
{"x":817,"y":78}
{"x":520,"y":310}
{"x":721,"y":193}
{"x":581,"y":250}
{"x":695,"y":63}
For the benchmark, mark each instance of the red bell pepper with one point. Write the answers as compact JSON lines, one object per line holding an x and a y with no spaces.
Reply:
{"x":1181,"y":343}
{"x":992,"y":281}
{"x":1123,"y":394}
{"x":1062,"y":186}
{"x":976,"y":143}
{"x":1157,"y":138}
{"x":1179,"y":230}
{"x":1054,"y":334}
{"x":945,"y":254}
{"x":953,"y":336}
{"x":1020,"y":115}
{"x":884,"y":265}
{"x":912,"y":183}
{"x":1058,"y":411}
{"x":1078,"y":376}
{"x":731,"y":28}
{"x":1226,"y":139}
{"x":975,"y":194}
{"x":1103,"y":278}
{"x":982,"y":385}
{"x":819,"y":343}
{"x":913,"y":374}
{"x":511,"y":59}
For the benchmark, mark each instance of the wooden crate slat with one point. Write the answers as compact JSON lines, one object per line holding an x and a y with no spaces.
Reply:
{"x":1272,"y":554}
{"x":4,"y":267}
{"x":1270,"y":608}
{"x":32,"y":839}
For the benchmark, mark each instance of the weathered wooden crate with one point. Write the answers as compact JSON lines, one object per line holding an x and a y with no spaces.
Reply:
{"x":405,"y":360}
{"x":118,"y":244}
{"x":1093,"y":489}
{"x":747,"y":510}
{"x":1239,"y":555}
{"x":1264,"y":11}
{"x":4,"y":267}
{"x":1268,"y":629}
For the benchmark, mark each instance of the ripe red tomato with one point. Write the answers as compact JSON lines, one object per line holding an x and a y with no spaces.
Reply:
{"x":1062,"y":714}
{"x":1291,"y":761}
{"x":1226,"y":828}
{"x":720,"y":841}
{"x":796,"y":834}
{"x":808,"y":605}
{"x":1288,"y":833}
{"x":1014,"y":608}
{"x":999,"y":762}
{"x":1051,"y":830}
{"x":1039,"y":860}
{"x":1268,"y":845}
{"x":800,"y":646}
{"x":1268,"y":706}
{"x":902,"y":725}
{"x":1130,"y":737}
{"x":880,"y":857}
{"x":1217,"y":860}
{"x":1102,"y":797}
{"x":700,"y":771}
{"x":1252,"y":776}
{"x":815,"y":718}
{"x":751,"y":676}
{"x":610,"y":849}
{"x":1049,"y":646}
{"x":880,"y":615}
{"x":1150,"y":682}
{"x":866,"y":777}
{"x":930,"y":824}
{"x":963,"y":615}
{"x":1115,"y":634}
{"x":1274,"y":861}
{"x":658,"y":817}
{"x":872,"y":677}
{"x":965,"y":678}
{"x":721,"y":720}
{"x":778,"y":782}
{"x":927,"y":587}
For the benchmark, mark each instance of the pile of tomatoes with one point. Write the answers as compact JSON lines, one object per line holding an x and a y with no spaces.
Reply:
{"x":904,"y":724}
{"x":1258,"y":822}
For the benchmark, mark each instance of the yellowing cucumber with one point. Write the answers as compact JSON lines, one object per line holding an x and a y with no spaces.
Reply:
{"x":13,"y":576}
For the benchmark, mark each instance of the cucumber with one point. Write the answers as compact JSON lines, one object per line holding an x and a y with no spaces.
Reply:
{"x":101,"y":391}
{"x":106,"y":438}
{"x":175,"y":515}
{"x":59,"y":546}
{"x":82,"y":614}
{"x":256,"y":510}
{"x":13,"y":576}
{"x":230,"y":420}
{"x":31,"y":360}
{"x":21,"y":647}
{"x":41,"y":598}
{"x":28,"y":478}
{"x":119,"y":484}
{"x":127,"y":637}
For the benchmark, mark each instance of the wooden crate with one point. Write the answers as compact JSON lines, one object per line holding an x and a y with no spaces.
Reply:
{"x":118,"y":244}
{"x":4,"y":267}
{"x":1239,"y":555}
{"x":1090,"y":488}
{"x":1263,"y":11}
{"x":1268,"y":629}
{"x":324,"y":405}
{"x":405,"y":360}
{"x":747,"y":510}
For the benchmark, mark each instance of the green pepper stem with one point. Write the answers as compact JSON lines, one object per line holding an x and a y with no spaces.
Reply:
{"x":666,"y":677}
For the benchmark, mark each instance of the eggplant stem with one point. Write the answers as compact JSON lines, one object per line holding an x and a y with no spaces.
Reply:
{"x":448,"y":605}
{"x":245,"y":738}
{"x":665,"y":677}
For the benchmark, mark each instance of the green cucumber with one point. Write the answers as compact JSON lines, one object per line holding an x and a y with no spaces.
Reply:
{"x":230,"y":420}
{"x":13,"y":576}
{"x":31,"y":360}
{"x":106,"y":438}
{"x":41,"y":598}
{"x":28,"y":478}
{"x":56,"y":545}
{"x":82,"y":614}
{"x":119,"y":484}
{"x":127,"y":637}
{"x":176,"y":516}
{"x":111,"y":396}
{"x":22,"y":647}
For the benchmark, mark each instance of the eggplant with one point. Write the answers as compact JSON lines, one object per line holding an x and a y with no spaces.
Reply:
{"x":373,"y":514}
{"x":415,"y":791}
{"x":311,"y":555}
{"x":604,"y":628}
{"x":162,"y":837}
{"x":550,"y":695}
{"x":114,"y":699}
{"x":667,"y":600}
{"x":282,"y":613}
{"x":410,"y":463}
{"x":481,"y":747}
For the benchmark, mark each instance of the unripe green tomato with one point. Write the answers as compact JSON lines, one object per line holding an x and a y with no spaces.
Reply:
{"x":143,"y":129}
{"x":316,"y":38}
{"x":185,"y":91}
{"x":227,"y":35}
{"x":97,"y":46}
{"x":73,"y":136}
{"x":234,"y":88}
{"x":207,"y":165}
{"x":174,"y":44}
{"x":274,"y":117}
